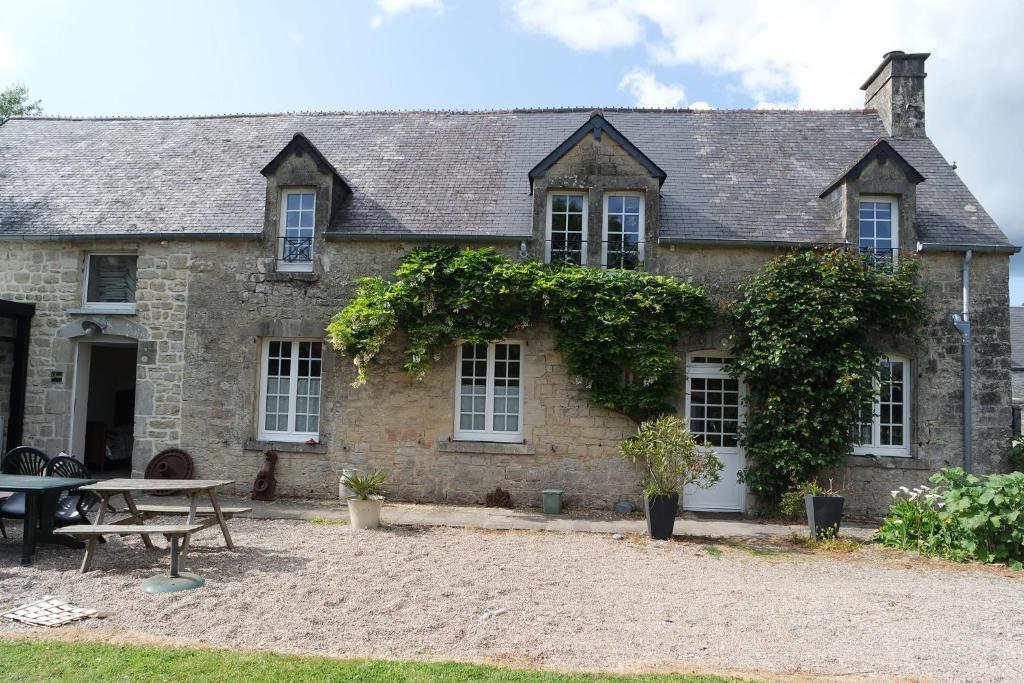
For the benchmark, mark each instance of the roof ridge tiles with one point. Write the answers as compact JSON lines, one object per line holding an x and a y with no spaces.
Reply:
{"x":379,"y":112}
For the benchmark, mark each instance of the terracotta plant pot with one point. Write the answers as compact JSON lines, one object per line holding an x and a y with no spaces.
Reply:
{"x":365,"y":514}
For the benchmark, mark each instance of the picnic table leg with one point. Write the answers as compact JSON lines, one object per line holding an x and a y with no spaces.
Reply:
{"x":193,"y":504}
{"x":173,"y":540}
{"x":137,"y":517}
{"x":220,"y":518}
{"x":90,"y":545}
{"x":31,"y":521}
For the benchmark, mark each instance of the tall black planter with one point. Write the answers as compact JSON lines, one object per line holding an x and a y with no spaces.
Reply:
{"x":823,"y":514}
{"x":661,"y":515}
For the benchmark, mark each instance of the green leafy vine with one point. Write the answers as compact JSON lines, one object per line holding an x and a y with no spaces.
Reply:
{"x":805,"y":337}
{"x":617,"y":329}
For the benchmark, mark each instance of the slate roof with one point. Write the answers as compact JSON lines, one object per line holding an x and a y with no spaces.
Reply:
{"x":1017,"y":337}
{"x":731,"y":174}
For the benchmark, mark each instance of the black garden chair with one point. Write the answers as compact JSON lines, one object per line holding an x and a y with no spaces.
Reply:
{"x":74,"y":507}
{"x":24,"y":460}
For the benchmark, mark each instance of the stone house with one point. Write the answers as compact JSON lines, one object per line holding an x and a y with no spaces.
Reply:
{"x":172,"y":278}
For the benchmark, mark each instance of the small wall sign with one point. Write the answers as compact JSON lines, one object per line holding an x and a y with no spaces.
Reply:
{"x":56,"y":376}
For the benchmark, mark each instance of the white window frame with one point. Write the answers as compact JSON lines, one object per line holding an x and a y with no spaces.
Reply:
{"x":107,"y":306}
{"x":604,"y":227}
{"x":488,"y":434}
{"x":890,"y":451}
{"x":585,"y":224}
{"x":303,"y":266}
{"x":894,"y":203}
{"x":263,"y":434}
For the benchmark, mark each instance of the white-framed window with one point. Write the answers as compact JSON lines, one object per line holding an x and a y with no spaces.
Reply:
{"x":566,"y":240}
{"x":622,"y":234}
{"x":298,"y":218}
{"x":887,"y":432}
{"x":489,"y":392}
{"x":879,"y":227}
{"x":290,"y":389}
{"x":110,"y":281}
{"x":714,"y":399}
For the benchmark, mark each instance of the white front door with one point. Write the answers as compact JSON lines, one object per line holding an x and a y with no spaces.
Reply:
{"x":715,"y":411}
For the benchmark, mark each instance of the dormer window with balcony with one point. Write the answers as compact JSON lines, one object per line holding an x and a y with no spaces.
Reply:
{"x":298,"y":218}
{"x":305,"y":196}
{"x":596,"y":168}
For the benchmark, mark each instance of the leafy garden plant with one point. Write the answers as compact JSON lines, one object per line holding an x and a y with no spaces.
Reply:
{"x":367,"y":486}
{"x":804,"y":341}
{"x":963,"y":517}
{"x":671,"y":457}
{"x":617,"y":329}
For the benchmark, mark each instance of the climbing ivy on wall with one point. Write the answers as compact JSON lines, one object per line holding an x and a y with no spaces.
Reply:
{"x":806,"y":330}
{"x":617,"y":329}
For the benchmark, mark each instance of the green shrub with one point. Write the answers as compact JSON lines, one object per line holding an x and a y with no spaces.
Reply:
{"x":1017,"y":454}
{"x":617,"y":329}
{"x":671,"y":457}
{"x":963,"y":517}
{"x":805,"y":344}
{"x":792,"y":504}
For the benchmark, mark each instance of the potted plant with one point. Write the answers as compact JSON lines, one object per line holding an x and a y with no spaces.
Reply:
{"x":824,"y":509}
{"x":367,"y":500}
{"x":671,"y":459}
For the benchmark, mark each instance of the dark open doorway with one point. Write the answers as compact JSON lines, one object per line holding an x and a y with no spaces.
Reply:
{"x":105,"y":407}
{"x":15,"y":321}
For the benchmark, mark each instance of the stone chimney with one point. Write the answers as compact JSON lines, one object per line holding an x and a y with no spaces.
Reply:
{"x":896,"y":91}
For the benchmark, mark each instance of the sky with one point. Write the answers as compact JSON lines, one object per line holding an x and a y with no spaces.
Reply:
{"x":217,"y":57}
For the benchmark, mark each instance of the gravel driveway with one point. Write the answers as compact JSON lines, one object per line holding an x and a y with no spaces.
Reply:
{"x":552,"y":600}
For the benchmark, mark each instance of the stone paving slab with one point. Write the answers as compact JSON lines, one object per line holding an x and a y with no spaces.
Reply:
{"x":526,"y":519}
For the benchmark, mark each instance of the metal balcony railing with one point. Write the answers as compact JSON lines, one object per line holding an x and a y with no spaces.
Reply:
{"x":884,"y":259}
{"x":618,"y":253}
{"x":295,"y":250}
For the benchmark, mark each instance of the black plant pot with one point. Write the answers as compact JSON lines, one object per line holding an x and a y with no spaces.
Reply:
{"x":661,"y":515}
{"x":823,"y":514}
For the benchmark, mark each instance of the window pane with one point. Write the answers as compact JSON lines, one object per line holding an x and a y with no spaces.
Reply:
{"x":472,"y":386}
{"x":111,"y":278}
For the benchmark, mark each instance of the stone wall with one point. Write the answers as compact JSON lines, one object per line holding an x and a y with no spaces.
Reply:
{"x":203,"y":309}
{"x":49,"y":274}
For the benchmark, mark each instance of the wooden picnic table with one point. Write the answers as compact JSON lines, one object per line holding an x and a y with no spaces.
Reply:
{"x":41,"y":496}
{"x":197,"y":518}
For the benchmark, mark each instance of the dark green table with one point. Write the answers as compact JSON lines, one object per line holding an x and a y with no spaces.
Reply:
{"x":41,"y":496}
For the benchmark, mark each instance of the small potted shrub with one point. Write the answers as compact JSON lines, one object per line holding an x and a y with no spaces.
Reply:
{"x":824,"y":509}
{"x":671,"y":459}
{"x":368,"y":499}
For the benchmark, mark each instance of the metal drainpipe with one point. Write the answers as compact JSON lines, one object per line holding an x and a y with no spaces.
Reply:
{"x":963,"y":324}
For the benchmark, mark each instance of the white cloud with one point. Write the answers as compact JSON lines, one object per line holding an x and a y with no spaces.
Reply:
{"x":651,"y":93}
{"x":581,"y":24}
{"x":701,"y":106}
{"x":8,"y":59}
{"x":812,"y":54}
{"x":389,"y":9}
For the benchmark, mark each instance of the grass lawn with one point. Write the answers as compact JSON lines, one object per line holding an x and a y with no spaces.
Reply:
{"x":41,"y":660}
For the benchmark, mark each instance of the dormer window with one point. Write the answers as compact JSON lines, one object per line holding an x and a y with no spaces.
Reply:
{"x":298,"y":211}
{"x":879,"y":228}
{"x":566,"y":228}
{"x":622,"y":242}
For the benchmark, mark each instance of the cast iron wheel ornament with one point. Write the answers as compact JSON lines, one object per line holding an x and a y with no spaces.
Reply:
{"x":170,"y":463}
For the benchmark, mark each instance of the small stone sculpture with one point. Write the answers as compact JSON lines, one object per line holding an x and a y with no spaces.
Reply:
{"x":265,"y":484}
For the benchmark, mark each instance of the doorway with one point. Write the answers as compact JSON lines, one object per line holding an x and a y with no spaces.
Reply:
{"x":103,"y":421}
{"x":714,"y":408}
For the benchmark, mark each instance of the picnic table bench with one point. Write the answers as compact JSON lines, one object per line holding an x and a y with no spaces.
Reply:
{"x":197,"y":518}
